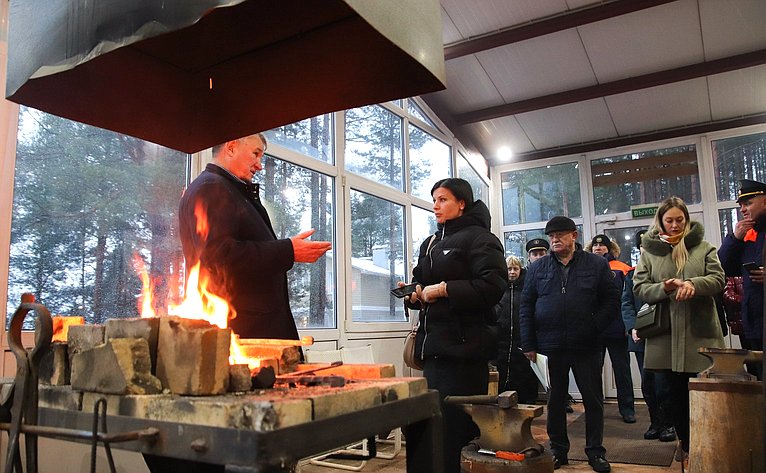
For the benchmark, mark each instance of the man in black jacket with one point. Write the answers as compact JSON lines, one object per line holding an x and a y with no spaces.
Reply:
{"x":568,"y":300}
{"x":238,"y":248}
{"x":225,"y":228}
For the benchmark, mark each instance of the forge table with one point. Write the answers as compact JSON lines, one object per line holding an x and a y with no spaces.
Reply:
{"x":262,"y":431}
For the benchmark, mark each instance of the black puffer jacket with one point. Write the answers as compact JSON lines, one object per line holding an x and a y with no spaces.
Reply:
{"x":507,"y":312}
{"x":469,"y":258}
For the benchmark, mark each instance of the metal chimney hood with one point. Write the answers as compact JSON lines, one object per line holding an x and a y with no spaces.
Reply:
{"x":189,"y":74}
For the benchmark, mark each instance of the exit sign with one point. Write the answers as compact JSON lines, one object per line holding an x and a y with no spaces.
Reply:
{"x":638,"y":212}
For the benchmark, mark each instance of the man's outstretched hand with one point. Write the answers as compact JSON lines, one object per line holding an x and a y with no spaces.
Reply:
{"x":307,"y":251}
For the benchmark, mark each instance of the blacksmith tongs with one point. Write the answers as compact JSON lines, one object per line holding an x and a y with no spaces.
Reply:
{"x":23,"y":398}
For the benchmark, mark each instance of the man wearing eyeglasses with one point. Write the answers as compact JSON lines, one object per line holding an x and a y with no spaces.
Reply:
{"x":569,"y":299}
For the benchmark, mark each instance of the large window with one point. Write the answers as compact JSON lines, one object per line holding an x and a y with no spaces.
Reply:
{"x":467,"y":172}
{"x":311,"y":137}
{"x":647,"y":177}
{"x":740,"y":157}
{"x":374,"y":145}
{"x":377,"y":258}
{"x":423,"y":226}
{"x":417,"y":112}
{"x":537,"y":194}
{"x":87,"y":200}
{"x":429,"y":162}
{"x":92,"y":208}
{"x":298,"y":199}
{"x":735,"y":158}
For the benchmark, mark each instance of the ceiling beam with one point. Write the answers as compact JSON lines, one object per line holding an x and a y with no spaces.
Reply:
{"x":550,"y":25}
{"x":697,"y":129}
{"x":693,"y":71}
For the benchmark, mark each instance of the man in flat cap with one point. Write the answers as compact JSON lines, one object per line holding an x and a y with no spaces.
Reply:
{"x":568,"y":300}
{"x":536,"y":249}
{"x":741,"y":254}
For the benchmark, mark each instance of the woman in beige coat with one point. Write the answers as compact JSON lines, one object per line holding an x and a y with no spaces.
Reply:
{"x":680,"y":272}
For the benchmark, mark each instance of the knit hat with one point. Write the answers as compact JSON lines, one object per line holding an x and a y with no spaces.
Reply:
{"x":601,"y":240}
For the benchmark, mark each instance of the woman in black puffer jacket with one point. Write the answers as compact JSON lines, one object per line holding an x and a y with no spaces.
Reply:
{"x":461,"y":276}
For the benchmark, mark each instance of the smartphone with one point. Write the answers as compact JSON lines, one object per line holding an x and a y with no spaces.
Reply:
{"x":404,"y":290}
{"x":751,"y":266}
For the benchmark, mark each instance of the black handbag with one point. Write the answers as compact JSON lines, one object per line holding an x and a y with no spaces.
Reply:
{"x":650,"y":321}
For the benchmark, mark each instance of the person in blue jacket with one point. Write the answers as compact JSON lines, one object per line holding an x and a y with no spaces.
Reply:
{"x":567,"y":302}
{"x":653,"y":385}
{"x":745,"y":246}
{"x":615,"y":338}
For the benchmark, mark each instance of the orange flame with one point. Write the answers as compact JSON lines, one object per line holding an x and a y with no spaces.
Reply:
{"x":61,"y":326}
{"x":199,"y":301}
{"x":145,"y":306}
{"x":200,"y":214}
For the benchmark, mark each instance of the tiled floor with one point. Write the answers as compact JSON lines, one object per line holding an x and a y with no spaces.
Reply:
{"x":398,"y":464}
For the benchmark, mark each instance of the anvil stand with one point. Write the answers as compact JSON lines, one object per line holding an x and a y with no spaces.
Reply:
{"x":725,"y":406}
{"x":505,"y":427}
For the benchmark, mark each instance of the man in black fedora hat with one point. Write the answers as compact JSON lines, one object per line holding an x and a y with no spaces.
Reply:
{"x":740,"y":255}
{"x":568,"y":300}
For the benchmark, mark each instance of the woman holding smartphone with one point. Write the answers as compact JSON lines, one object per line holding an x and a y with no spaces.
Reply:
{"x":460,"y":276}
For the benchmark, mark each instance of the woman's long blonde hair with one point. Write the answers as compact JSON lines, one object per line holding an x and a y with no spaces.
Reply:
{"x":680,"y":253}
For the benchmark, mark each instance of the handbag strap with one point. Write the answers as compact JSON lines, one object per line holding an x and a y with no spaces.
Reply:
{"x":416,"y":320}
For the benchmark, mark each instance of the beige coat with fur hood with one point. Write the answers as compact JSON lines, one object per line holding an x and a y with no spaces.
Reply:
{"x":694,"y":323}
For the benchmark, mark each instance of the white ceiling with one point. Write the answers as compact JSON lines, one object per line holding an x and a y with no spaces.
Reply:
{"x":626,"y":47}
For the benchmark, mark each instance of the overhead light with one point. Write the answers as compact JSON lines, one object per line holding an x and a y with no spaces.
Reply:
{"x":504,"y":153}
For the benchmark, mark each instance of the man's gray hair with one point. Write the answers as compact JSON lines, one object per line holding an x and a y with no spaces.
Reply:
{"x":217,"y":148}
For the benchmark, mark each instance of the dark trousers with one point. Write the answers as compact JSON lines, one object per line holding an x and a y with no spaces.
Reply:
{"x":754,"y":368}
{"x":655,"y":391}
{"x":678,"y":387}
{"x":586,"y":367}
{"x":456,"y":378}
{"x":518,"y":377}
{"x":620,"y":357}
